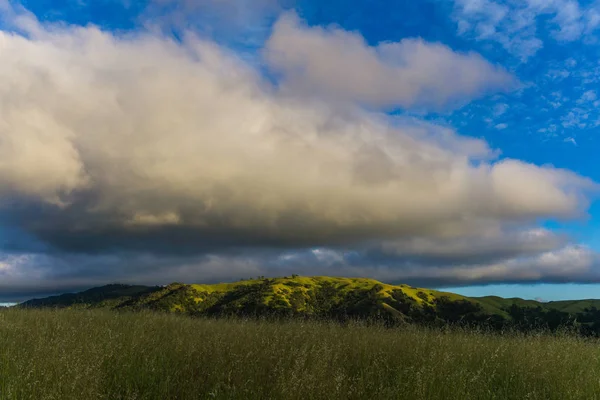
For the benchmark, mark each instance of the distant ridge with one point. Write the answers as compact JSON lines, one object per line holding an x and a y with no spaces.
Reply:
{"x":337,"y":299}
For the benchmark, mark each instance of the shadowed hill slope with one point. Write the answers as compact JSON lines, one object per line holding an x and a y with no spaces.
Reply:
{"x":108,"y":296}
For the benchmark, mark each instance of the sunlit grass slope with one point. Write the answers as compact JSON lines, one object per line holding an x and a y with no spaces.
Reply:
{"x":295,"y":295}
{"x":336,"y":298}
{"x":284,"y":289}
{"x":96,"y":354}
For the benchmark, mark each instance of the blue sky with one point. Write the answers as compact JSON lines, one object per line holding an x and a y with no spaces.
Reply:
{"x":502,"y":95}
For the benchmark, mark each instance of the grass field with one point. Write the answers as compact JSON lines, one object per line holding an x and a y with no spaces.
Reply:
{"x":105,"y":355}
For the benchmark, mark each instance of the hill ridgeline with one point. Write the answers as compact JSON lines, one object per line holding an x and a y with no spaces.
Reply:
{"x":334,"y":298}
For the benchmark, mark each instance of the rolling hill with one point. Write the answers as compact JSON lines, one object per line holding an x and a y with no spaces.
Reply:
{"x":333,"y":298}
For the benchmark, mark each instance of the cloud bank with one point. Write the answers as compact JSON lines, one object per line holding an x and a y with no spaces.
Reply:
{"x":412,"y":73}
{"x":143,"y":158}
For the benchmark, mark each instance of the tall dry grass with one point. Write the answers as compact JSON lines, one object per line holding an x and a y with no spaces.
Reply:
{"x":102,"y":355}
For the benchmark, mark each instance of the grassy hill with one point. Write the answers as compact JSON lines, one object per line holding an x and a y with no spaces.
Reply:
{"x":301,"y":296}
{"x":568,"y":306}
{"x":108,"y":296}
{"x":335,"y":299}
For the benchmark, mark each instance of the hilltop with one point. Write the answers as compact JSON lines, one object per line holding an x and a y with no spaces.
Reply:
{"x":333,"y":298}
{"x":307,"y":296}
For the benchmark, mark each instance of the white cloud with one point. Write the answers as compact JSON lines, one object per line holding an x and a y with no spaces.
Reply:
{"x":500,"y":109}
{"x":569,"y":264}
{"x":489,"y":245}
{"x":501,"y":126}
{"x":571,"y":62}
{"x":121,"y":140}
{"x":555,"y":104}
{"x":576,"y":118}
{"x":411,"y":73}
{"x":514,"y":25}
{"x":569,"y":20}
{"x":587,"y":97}
{"x":558,"y":75}
{"x":144,"y":126}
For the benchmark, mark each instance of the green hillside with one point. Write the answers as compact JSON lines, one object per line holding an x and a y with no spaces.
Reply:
{"x":328,"y":297}
{"x":568,"y":306}
{"x":573,"y":306}
{"x":335,"y":299}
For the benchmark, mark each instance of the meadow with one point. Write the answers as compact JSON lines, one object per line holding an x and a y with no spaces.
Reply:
{"x":97,"y":354}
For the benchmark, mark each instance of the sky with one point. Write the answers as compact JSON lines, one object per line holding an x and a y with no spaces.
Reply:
{"x":446,"y":143}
